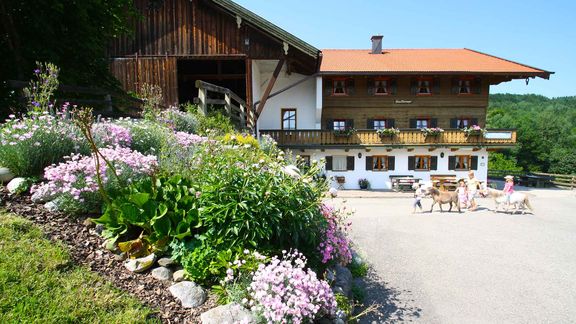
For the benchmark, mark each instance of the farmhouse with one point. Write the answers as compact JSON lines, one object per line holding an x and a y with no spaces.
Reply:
{"x":334,"y":104}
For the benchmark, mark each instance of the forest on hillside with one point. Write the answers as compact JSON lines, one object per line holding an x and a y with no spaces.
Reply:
{"x":546,"y":130}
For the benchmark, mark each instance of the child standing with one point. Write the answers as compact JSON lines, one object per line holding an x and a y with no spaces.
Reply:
{"x":462,"y":191}
{"x":419,"y":193}
{"x":508,"y":188}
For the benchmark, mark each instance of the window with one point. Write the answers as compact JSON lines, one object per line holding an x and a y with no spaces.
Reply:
{"x":424,"y":87}
{"x":422,"y":123}
{"x":288,"y":118}
{"x":339,"y":124}
{"x":339,"y":87}
{"x":379,"y":123}
{"x":379,"y":163}
{"x":464,"y":122}
{"x":381,"y":87}
{"x":464,"y":86}
{"x":339,"y":163}
{"x":462,"y":162}
{"x":422,"y":162}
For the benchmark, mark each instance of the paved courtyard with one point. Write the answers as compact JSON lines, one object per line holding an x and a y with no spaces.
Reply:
{"x":474,"y":267}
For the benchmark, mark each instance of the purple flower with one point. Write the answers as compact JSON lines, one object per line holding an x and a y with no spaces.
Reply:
{"x":37,"y":71}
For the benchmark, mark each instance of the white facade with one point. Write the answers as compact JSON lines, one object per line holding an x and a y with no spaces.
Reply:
{"x":381,"y":179}
{"x":301,"y":97}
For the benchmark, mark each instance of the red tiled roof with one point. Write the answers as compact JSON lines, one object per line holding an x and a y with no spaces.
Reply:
{"x":406,"y":61}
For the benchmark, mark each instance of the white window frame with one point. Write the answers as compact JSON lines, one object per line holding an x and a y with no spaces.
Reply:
{"x":380,"y":124}
{"x":339,"y":124}
{"x":420,"y":123}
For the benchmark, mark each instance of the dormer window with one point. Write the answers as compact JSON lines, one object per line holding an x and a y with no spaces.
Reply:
{"x":464,"y":87}
{"x":339,"y":87}
{"x":380,"y":87}
{"x":424,"y":87}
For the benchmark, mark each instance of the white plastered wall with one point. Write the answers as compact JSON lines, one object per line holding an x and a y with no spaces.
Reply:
{"x":301,"y":97}
{"x":381,"y":179}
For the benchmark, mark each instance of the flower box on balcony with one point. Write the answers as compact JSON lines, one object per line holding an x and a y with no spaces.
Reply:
{"x":388,"y":132}
{"x":435,"y":131}
{"x":474,"y":130}
{"x":344,"y":132}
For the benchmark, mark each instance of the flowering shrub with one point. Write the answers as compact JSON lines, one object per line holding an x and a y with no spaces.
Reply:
{"x":336,"y":245}
{"x":109,"y":134}
{"x":75,"y":179}
{"x":37,"y":140}
{"x":347,"y":132}
{"x":388,"y":131}
{"x":147,"y":137}
{"x":179,"y":121}
{"x":186,"y":139}
{"x":474,"y":130}
{"x":41,"y":89}
{"x":434,"y":131}
{"x":284,"y":291}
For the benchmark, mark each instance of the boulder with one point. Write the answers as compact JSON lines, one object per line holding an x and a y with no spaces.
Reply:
{"x":16,"y":185}
{"x":5,"y":175}
{"x":189,"y":293}
{"x":162,"y":273}
{"x":343,"y":280}
{"x":179,"y":275}
{"x":227,"y":314}
{"x":166,"y":262}
{"x":140,"y":264}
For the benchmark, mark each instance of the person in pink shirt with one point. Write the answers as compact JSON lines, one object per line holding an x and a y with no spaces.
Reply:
{"x":508,"y":188}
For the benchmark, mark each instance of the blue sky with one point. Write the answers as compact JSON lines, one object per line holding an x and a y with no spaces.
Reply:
{"x":541,"y":34}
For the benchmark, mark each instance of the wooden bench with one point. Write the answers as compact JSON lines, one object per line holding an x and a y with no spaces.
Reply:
{"x":446,"y":182}
{"x":402,"y":182}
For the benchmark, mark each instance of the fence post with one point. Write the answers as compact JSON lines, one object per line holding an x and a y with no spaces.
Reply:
{"x":243,"y":121}
{"x":228,"y":105}
{"x":202,"y":101}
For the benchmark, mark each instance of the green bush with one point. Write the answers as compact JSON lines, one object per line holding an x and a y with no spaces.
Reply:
{"x":180,"y":121}
{"x":214,"y":124}
{"x":499,"y":161}
{"x":148,"y":137}
{"x":358,"y":269}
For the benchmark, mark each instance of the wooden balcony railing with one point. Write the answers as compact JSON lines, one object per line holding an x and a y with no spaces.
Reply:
{"x":369,"y":137}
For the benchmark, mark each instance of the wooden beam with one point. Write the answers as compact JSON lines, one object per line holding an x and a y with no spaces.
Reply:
{"x":266,"y":93}
{"x":431,"y":149}
{"x":476,"y":149}
{"x":454,"y":149}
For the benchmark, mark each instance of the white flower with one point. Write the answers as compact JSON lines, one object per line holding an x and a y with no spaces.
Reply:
{"x":292,"y":171}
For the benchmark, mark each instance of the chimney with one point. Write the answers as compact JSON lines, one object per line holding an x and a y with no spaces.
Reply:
{"x":377,"y":44}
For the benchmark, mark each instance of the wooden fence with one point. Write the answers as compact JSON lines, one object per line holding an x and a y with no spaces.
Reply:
{"x":235,"y":107}
{"x":565,"y":181}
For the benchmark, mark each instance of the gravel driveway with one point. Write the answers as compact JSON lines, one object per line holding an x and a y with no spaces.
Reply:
{"x":474,"y":267}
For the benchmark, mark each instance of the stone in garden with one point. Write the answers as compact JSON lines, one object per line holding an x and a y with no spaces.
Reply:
{"x":42,"y":194}
{"x":189,"y":293}
{"x":178,"y":276}
{"x":5,"y":175}
{"x":52,"y":206}
{"x":162,"y":273}
{"x":140,"y":264}
{"x":166,"y":262}
{"x":227,"y":314}
{"x":343,"y":279}
{"x":15,"y":185}
{"x":356,"y":258}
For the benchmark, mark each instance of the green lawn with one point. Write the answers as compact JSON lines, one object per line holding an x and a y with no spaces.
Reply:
{"x":39,"y":283}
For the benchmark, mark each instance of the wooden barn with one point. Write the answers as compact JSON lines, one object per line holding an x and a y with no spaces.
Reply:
{"x":177,"y":42}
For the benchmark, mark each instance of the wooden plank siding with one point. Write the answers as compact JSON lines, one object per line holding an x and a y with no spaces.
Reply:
{"x":362,"y":106}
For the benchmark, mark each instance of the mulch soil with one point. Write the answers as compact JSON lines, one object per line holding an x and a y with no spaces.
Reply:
{"x":86,"y":248}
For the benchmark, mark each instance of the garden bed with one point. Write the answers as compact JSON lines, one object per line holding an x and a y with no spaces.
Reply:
{"x":85,"y":248}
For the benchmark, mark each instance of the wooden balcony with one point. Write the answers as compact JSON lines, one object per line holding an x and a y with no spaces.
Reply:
{"x":406,"y":137}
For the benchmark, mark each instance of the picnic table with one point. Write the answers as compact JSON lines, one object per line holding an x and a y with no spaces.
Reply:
{"x":532,"y":180}
{"x":446,"y":182}
{"x":403,"y":182}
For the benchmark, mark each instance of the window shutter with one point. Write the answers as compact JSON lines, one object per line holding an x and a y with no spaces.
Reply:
{"x":371,"y":86}
{"x":434,"y":163}
{"x":477,"y":86}
{"x":393,"y":87}
{"x":451,"y":163}
{"x":390,"y":123}
{"x":391,"y":162}
{"x":350,"y":163}
{"x":474,"y":121}
{"x":330,"y":124}
{"x":350,"y":87}
{"x":436,"y":86}
{"x":370,"y":123}
{"x":349,"y":123}
{"x":327,"y":87}
{"x":328,"y":163}
{"x":414,"y":86}
{"x":474,"y":162}
{"x":453,"y":122}
{"x":412,"y":123}
{"x":434,"y":122}
{"x":411,"y":162}
{"x":369,"y":163}
{"x":455,"y":86}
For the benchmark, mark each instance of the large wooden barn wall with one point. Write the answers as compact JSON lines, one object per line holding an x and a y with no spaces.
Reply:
{"x":184,"y":27}
{"x":132,"y":72}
